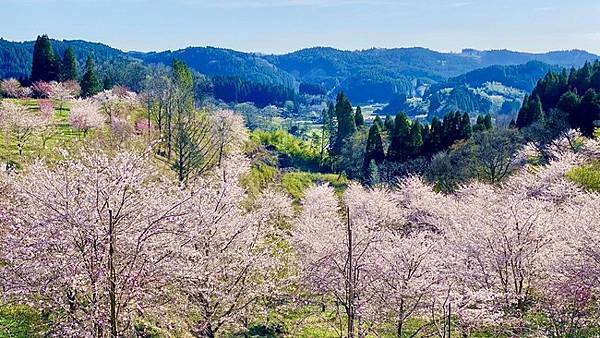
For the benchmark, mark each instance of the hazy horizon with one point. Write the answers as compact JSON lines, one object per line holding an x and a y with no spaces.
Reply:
{"x":302,"y":48}
{"x":278,"y":27}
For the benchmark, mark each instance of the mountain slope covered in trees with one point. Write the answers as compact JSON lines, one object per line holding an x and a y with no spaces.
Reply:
{"x":495,"y":89}
{"x":434,"y":82}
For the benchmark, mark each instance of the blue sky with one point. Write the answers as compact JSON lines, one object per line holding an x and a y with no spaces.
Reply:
{"x":277,"y":26}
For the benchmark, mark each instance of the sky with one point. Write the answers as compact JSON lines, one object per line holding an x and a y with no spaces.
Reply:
{"x":279,"y":26}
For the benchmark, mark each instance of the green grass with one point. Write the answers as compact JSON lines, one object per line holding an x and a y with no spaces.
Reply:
{"x":587,"y":176}
{"x":291,"y":151}
{"x":20,"y":321}
{"x":60,"y":136}
{"x":296,"y":183}
{"x":259,"y":177}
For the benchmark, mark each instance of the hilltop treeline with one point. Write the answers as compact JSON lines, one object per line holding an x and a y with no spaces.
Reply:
{"x":564,"y":100}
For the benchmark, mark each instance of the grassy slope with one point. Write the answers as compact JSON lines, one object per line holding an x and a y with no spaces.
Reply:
{"x":62,"y":136}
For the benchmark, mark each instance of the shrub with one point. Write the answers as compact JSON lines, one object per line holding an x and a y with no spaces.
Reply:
{"x":20,"y":321}
{"x":296,"y":183}
{"x":588,"y":176}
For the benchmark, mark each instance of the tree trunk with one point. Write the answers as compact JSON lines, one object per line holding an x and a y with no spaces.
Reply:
{"x":204,"y":331}
{"x":400,"y":323}
{"x":449,"y":320}
{"x":350,"y":282}
{"x":112,"y":283}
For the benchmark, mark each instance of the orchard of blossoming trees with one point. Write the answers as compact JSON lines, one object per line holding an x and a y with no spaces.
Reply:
{"x":144,"y":225}
{"x":107,"y":239}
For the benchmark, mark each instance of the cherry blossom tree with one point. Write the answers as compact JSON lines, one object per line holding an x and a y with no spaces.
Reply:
{"x":120,"y":128}
{"x":227,"y":259}
{"x":143,"y":126}
{"x":568,"y":295}
{"x":407,"y":276}
{"x":46,"y":115}
{"x":337,"y":253}
{"x":12,"y":88}
{"x":228,"y":132}
{"x":116,"y":103}
{"x":73,"y":86}
{"x":42,"y":89}
{"x":61,"y":94}
{"x":85,"y":116}
{"x":86,"y":239}
{"x":21,"y":123}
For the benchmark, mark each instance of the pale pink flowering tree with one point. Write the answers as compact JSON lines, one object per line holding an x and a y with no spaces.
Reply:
{"x":46,"y":115}
{"x":144,"y":126}
{"x":502,"y":239}
{"x":73,"y":86}
{"x":85,"y":115}
{"x":26,"y":93}
{"x":21,"y":123}
{"x":228,"y":132}
{"x":407,"y":274}
{"x":42,"y":89}
{"x":86,"y":239}
{"x":226,"y":258}
{"x":116,"y":103}
{"x":120,"y":128}
{"x":336,"y":248}
{"x":11,"y":88}
{"x":61,"y":94}
{"x":568,"y":295}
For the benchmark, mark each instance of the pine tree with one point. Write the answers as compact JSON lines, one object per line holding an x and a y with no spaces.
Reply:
{"x":464,"y":129}
{"x":90,"y":85}
{"x":107,"y":83}
{"x":479,"y":124}
{"x":425,"y":132}
{"x":398,"y":150}
{"x":345,"y":122}
{"x":415,"y":141}
{"x":531,"y":112}
{"x":569,"y":103}
{"x":587,"y":115}
{"x":435,"y":135}
{"x":68,"y":69}
{"x":372,"y":174}
{"x":450,"y":129}
{"x":389,"y":124}
{"x":44,"y":66}
{"x":379,"y":123}
{"x":374,"y":151}
{"x":487,"y":122}
{"x":359,"y":119}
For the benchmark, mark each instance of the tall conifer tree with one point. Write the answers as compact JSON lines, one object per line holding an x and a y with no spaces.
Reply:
{"x":345,"y":122}
{"x":68,"y":70}
{"x":359,"y":119}
{"x":44,"y":66}
{"x":90,"y":85}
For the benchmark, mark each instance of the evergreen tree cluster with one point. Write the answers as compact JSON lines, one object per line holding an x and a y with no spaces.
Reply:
{"x":47,"y":66}
{"x":405,"y":140}
{"x":574,"y":93}
{"x":235,"y":89}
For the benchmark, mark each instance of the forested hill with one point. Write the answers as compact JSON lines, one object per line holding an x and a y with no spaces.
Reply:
{"x":366,"y":76}
{"x":224,"y":62}
{"x":522,"y":76}
{"x":497,"y":89}
{"x":15,"y":57}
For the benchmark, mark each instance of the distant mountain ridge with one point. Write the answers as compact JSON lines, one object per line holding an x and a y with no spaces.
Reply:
{"x":495,"y":89}
{"x":372,"y":75}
